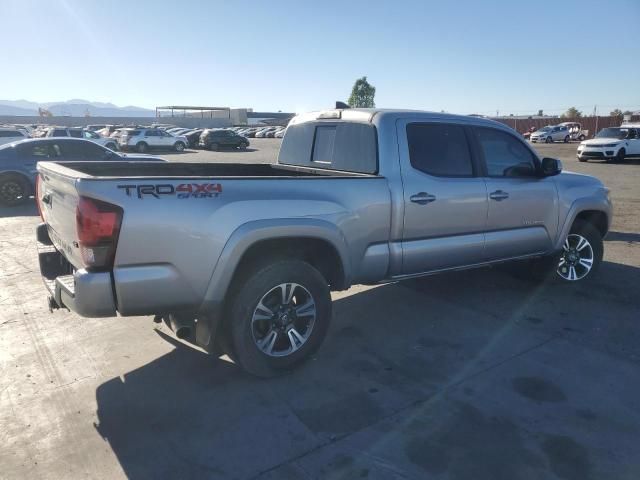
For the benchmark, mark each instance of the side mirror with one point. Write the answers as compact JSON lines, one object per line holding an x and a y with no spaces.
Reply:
{"x":551,"y":167}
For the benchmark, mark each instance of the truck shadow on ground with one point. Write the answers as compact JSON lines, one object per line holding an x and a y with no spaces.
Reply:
{"x":390,"y":348}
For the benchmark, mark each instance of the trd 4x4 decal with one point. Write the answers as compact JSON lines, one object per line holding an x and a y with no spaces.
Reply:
{"x":184,"y":190}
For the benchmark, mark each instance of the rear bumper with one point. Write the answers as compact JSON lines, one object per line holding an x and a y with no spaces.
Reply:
{"x":89,"y":294}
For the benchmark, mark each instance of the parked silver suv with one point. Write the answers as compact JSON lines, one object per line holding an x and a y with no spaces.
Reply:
{"x":144,"y":139}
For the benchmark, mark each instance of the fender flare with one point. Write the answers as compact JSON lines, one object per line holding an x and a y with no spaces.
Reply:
{"x":239,"y":242}
{"x":598,"y":203}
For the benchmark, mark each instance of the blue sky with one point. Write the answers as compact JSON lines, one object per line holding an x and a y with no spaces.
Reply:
{"x":461,"y":56}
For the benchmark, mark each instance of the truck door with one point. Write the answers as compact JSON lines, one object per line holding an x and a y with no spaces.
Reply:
{"x":523,"y":207}
{"x":445,"y":201}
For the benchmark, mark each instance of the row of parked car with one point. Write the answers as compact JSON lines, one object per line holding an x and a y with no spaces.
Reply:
{"x":142,"y":138}
{"x":563,"y":132}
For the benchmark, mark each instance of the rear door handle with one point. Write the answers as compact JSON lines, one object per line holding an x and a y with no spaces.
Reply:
{"x":498,"y":195}
{"x":422,"y":198}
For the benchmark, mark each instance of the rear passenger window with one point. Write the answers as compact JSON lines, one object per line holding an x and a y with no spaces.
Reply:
{"x":440,"y":150}
{"x":504,"y":155}
{"x":75,"y":133}
{"x":323,"y":144}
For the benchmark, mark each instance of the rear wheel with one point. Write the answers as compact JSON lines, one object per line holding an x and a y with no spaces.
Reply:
{"x":142,"y":147}
{"x":566,"y":139}
{"x":548,"y":140}
{"x":112,"y":146}
{"x":14,"y":189}
{"x":242,"y":146}
{"x":581,"y":138}
{"x":278,"y":317}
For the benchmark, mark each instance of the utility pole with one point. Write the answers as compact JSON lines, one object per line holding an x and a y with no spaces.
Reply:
{"x":595,"y":114}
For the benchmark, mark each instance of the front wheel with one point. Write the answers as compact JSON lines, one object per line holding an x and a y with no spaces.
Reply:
{"x":179,"y":147}
{"x":581,"y":138}
{"x":548,"y":140}
{"x":566,"y":139}
{"x":580,"y":257}
{"x":279,"y":317}
{"x":142,"y":147}
{"x":621,"y":154}
{"x":112,"y":146}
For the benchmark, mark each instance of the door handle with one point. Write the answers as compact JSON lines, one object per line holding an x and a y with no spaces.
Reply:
{"x":46,"y":199}
{"x":422,"y":198}
{"x":498,"y":195}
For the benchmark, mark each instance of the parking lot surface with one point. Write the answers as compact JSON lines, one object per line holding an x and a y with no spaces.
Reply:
{"x":469,"y":375}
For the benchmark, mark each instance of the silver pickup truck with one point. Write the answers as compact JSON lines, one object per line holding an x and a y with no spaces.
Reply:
{"x":241,"y":258}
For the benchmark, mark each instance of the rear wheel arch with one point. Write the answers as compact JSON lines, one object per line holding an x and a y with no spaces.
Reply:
{"x":319,"y":253}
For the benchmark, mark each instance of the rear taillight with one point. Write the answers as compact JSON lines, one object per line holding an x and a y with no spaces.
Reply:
{"x":97,"y":225}
{"x":38,"y":187}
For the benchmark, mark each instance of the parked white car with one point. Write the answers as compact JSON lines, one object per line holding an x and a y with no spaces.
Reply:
{"x":143,"y":139}
{"x":552,"y":133}
{"x":10,"y":134}
{"x":612,"y":144}
{"x":106,"y":142}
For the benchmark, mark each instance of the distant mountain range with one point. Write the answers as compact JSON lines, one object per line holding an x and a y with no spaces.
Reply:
{"x":72,"y":108}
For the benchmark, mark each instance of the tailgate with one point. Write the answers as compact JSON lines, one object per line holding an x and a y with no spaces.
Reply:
{"x":57,"y":198}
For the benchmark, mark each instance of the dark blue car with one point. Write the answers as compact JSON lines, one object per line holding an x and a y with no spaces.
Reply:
{"x":18,"y":162}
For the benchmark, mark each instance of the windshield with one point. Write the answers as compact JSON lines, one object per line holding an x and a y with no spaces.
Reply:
{"x":545,"y":129}
{"x":618,"y":133}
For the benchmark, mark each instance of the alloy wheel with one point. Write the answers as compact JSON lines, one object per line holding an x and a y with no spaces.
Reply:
{"x":11,"y":192}
{"x":577,"y":258}
{"x":283,"y":320}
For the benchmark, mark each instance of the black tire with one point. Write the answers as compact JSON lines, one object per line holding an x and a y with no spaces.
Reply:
{"x":250,"y":291}
{"x":242,"y":146}
{"x":621,"y":154}
{"x":179,"y":147}
{"x":214,"y":146}
{"x":582,"y":159}
{"x":14,"y":189}
{"x":581,"y":138}
{"x":142,"y":147}
{"x":545,"y":269}
{"x":566,"y":139}
{"x":548,"y":140}
{"x":112,"y":146}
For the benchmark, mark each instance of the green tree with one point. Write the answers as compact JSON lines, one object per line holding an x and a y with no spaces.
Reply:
{"x":572,"y":112}
{"x":616,"y":113}
{"x":627,"y":112}
{"x":362,"y":94}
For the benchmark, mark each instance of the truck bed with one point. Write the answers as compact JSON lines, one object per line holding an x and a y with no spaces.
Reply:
{"x":194,"y":170}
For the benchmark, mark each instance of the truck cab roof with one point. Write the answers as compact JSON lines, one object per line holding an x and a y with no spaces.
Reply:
{"x":371,"y":115}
